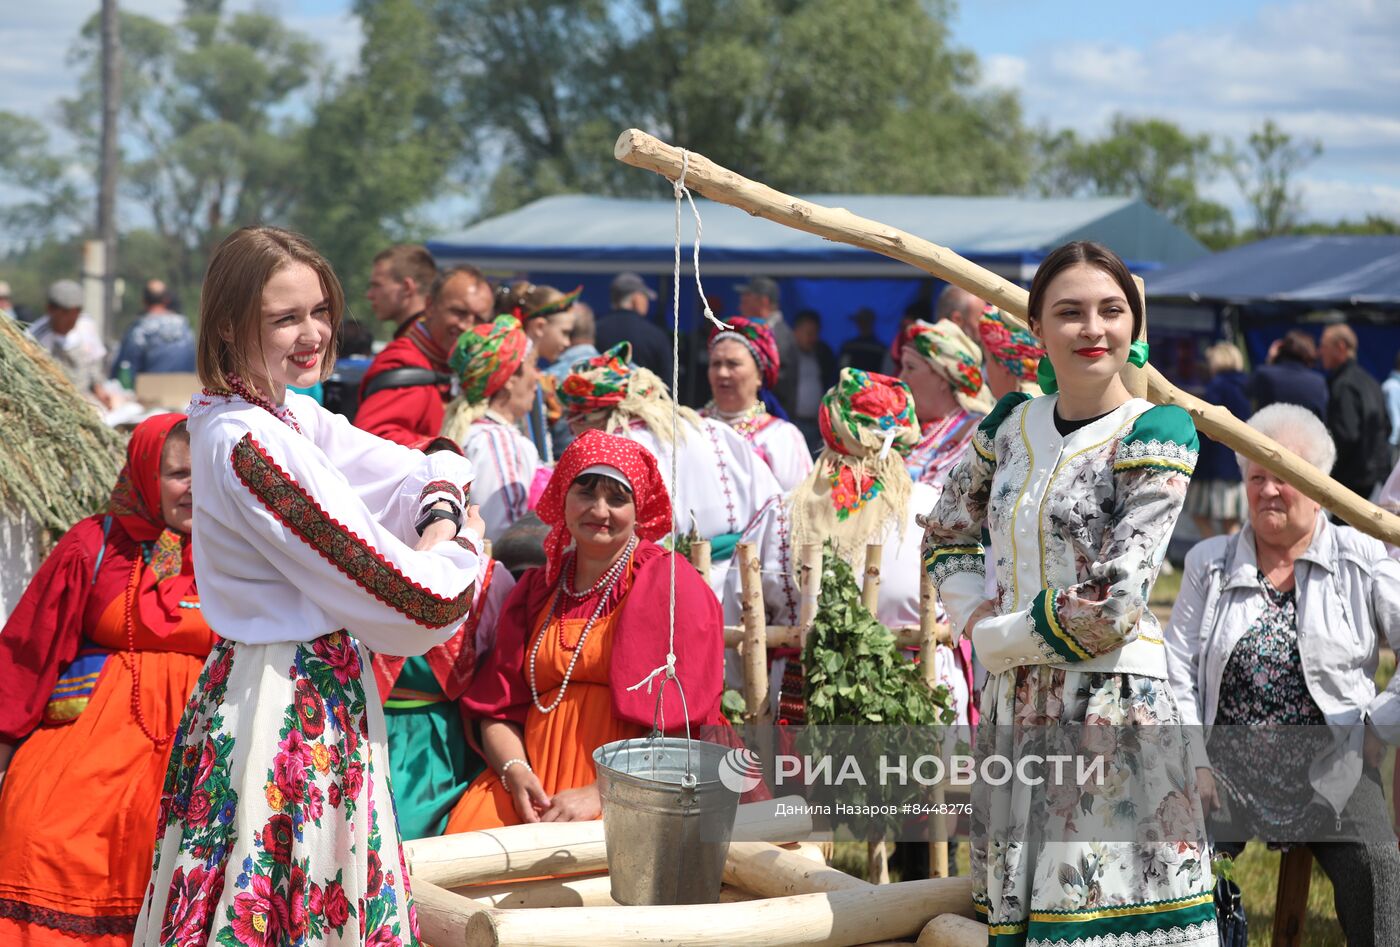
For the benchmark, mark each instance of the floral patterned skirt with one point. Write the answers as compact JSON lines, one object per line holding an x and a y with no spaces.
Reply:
{"x":1119,"y":859}
{"x":276,"y":824}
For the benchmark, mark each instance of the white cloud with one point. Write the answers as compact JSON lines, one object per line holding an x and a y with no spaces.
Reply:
{"x":1323,"y":69}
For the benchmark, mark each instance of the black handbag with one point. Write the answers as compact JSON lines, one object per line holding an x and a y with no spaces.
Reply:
{"x":1230,"y":918}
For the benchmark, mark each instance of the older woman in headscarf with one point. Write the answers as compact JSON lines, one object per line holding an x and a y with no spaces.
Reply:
{"x":720,"y":481}
{"x":858,"y":493}
{"x":943,"y":369}
{"x":495,"y":365}
{"x":577,"y":633}
{"x":743,"y":370}
{"x":1280,"y":626}
{"x":96,"y":663}
{"x":1012,"y":355}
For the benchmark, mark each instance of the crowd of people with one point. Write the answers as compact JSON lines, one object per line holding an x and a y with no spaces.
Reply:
{"x":284,"y":649}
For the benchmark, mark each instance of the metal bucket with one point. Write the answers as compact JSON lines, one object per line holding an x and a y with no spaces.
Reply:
{"x":667,"y":836}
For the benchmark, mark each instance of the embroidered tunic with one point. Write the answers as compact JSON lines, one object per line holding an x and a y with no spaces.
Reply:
{"x":505,"y":462}
{"x":1080,"y":525}
{"x":276,"y":824}
{"x":942,"y":444}
{"x":780,"y":443}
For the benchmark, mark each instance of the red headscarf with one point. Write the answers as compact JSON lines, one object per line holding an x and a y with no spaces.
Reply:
{"x":758,"y":339}
{"x":135,"y":505}
{"x":635,"y":462}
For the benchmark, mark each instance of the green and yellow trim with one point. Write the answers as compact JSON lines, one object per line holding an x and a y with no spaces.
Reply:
{"x":1048,"y":626}
{"x":1154,"y":463}
{"x":1074,"y":926}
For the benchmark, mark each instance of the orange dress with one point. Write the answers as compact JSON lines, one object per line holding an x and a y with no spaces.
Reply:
{"x":79,"y":802}
{"x":559,"y":744}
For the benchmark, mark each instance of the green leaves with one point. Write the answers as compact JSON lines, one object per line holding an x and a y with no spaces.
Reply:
{"x":856,"y":673}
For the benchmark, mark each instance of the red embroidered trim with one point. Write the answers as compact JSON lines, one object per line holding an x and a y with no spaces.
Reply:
{"x":441,"y":486}
{"x":81,"y":924}
{"x":338,"y":545}
{"x":466,"y":544}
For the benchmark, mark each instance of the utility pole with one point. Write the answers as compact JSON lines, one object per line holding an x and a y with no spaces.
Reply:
{"x":107,"y":187}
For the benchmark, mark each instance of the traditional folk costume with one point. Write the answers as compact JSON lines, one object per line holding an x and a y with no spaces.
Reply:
{"x":943,"y":441}
{"x":564,"y":658}
{"x":859,"y":493}
{"x":276,"y":822}
{"x":777,"y":440}
{"x":96,"y":663}
{"x":1013,"y":348}
{"x":1079,"y":525}
{"x":506,"y":462}
{"x":432,"y":759}
{"x":721,"y":483}
{"x":409,"y":414}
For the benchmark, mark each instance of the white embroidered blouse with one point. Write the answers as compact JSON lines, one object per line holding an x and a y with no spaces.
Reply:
{"x":778,"y":442}
{"x":1079,"y":527}
{"x":297,"y":535}
{"x":505,"y":462}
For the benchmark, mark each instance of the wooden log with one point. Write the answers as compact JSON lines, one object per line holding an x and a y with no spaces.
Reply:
{"x":637,"y":148}
{"x":554,"y":848}
{"x":952,"y":930}
{"x":794,"y":636}
{"x":754,"y":649}
{"x":589,"y":891}
{"x":832,"y":919}
{"x":700,"y":558}
{"x":877,"y":861}
{"x":443,"y":914}
{"x":870,"y":585}
{"x":938,"y":838}
{"x":772,"y":872}
{"x":1291,"y":899}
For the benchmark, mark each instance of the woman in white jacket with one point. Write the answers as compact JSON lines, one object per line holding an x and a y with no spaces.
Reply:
{"x":1278,"y":628}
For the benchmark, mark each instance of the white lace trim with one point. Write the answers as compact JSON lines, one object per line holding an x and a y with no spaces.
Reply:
{"x":1203,"y":934}
{"x":1156,"y":450}
{"x":948,"y":565}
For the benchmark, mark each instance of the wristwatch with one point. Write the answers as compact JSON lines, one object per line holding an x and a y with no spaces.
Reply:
{"x":435,"y":513}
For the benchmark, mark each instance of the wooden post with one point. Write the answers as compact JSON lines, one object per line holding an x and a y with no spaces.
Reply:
{"x":809,"y":584}
{"x":877,"y":850}
{"x":640,"y":150}
{"x":1291,"y":901}
{"x":443,"y":914}
{"x":754,"y":651}
{"x":938,"y":822}
{"x":1134,"y":378}
{"x":700,"y":558}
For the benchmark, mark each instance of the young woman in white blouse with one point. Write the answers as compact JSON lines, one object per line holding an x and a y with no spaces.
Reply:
{"x":276,"y":824}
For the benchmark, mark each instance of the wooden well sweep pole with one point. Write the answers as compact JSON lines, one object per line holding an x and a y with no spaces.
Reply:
{"x":755,"y":647}
{"x":640,"y":150}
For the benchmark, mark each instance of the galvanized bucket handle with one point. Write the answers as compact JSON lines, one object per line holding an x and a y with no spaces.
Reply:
{"x":658,"y":721}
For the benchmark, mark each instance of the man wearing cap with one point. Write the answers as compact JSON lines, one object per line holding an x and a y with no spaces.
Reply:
{"x":758,"y":300}
{"x":159,"y":341}
{"x":627,"y":322}
{"x":71,"y":337}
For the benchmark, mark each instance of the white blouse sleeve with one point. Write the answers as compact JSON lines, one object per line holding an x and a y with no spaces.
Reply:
{"x":501,"y":584}
{"x":395,"y":483}
{"x":299,"y":513}
{"x":788,"y":454}
{"x":504,"y":464}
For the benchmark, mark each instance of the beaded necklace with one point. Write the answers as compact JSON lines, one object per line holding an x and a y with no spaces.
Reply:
{"x":239,"y":388}
{"x":604,"y":586}
{"x":746,"y":422}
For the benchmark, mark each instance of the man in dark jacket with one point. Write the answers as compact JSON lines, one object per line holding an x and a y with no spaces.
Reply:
{"x":1288,"y":376}
{"x":1356,"y":415}
{"x":631,"y":300}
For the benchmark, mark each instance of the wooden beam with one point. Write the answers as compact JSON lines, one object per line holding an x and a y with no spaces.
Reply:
{"x":700,"y":558}
{"x":833,"y":919}
{"x":952,"y":930}
{"x":554,"y":848}
{"x":442,"y":914}
{"x":640,"y":150}
{"x":772,"y":872}
{"x":754,"y":648}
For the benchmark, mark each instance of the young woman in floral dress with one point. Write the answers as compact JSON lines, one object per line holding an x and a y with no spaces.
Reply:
{"x":1079,"y":490}
{"x":276,"y":824}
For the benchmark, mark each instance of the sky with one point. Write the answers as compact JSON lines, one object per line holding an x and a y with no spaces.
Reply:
{"x":1322,"y":69}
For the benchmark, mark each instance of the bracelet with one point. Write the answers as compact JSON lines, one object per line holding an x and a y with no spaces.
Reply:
{"x":509,"y":763}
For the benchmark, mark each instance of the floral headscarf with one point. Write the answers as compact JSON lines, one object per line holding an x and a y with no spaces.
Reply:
{"x":487,"y":355}
{"x":956,"y":357}
{"x":618,"y":392}
{"x":868,"y":425}
{"x":758,"y":339}
{"x":633,"y":461}
{"x":1014,"y":348}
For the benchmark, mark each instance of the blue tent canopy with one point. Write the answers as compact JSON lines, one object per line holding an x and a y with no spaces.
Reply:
{"x":1307,"y":272}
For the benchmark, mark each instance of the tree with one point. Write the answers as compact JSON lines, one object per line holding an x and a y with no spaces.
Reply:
{"x":821,"y":95}
{"x":1265,"y":171}
{"x":381,"y":144}
{"x":1151,"y":159}
{"x":208,"y":139}
{"x":48,"y":198}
